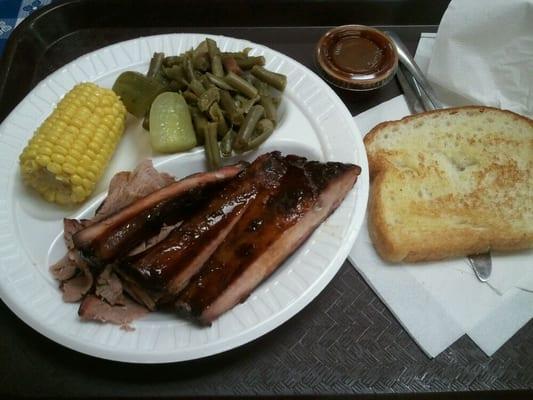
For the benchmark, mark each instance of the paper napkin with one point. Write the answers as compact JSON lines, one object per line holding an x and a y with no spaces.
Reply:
{"x":483,"y":54}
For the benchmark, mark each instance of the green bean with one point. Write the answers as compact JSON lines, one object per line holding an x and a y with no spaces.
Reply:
{"x":270,"y":107}
{"x":243,"y":53}
{"x":249,"y":62}
{"x":173,"y":86}
{"x":188,"y":54}
{"x":219,"y":82}
{"x":216,"y":115}
{"x":201,"y":62}
{"x":276,"y":100}
{"x":196,"y":87}
{"x":214,"y":56}
{"x":189,"y":69}
{"x":190,"y":97}
{"x":246,"y":104}
{"x":212,"y":150}
{"x":278,"y":81}
{"x":262,"y":87}
{"x":205,"y":80}
{"x":216,"y":66}
{"x":172,"y":60}
{"x":200,"y":124}
{"x":200,"y":49}
{"x":207,"y":98}
{"x":264,"y":129}
{"x":155,"y":65}
{"x":226,"y":144}
{"x":175,"y":73}
{"x":241,"y":85}
{"x":247,"y":128}
{"x":212,"y":47}
{"x":228,"y":105}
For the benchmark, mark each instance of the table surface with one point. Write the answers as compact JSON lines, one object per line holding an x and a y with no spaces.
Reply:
{"x":345,"y":342}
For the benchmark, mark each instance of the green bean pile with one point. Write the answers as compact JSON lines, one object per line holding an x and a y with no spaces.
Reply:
{"x":232,"y":98}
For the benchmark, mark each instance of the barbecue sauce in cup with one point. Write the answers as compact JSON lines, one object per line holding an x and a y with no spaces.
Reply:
{"x":356,"y":57}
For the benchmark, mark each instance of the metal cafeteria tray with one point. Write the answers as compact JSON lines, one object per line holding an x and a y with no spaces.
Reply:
{"x":345,"y":342}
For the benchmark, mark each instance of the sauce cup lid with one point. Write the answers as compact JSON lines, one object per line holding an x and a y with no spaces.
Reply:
{"x":356,"y":57}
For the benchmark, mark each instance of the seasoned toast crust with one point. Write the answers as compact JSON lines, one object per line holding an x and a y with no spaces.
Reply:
{"x":376,"y":165}
{"x":457,"y":192}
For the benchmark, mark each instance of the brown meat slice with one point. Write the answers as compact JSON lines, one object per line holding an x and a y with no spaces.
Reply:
{"x":65,"y":268}
{"x":94,"y":309}
{"x":75,"y":288}
{"x":169,"y":265}
{"x":271,"y":229}
{"x":126,"y":187}
{"x":109,"y":286}
{"x":71,"y":227}
{"x":122,"y":231}
{"x":141,"y":295}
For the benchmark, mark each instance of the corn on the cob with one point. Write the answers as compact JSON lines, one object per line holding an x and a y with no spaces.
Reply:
{"x":68,"y":153}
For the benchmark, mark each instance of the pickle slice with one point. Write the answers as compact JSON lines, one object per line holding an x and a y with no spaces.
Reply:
{"x":171,"y":128}
{"x":137,"y":91}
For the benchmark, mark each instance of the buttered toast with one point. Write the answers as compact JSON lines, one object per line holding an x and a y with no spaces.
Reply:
{"x":451,"y":182}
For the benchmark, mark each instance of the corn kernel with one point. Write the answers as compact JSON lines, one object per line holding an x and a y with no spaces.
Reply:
{"x":77,"y":149}
{"x":94,"y":145}
{"x":54,"y":168}
{"x":58,"y":158}
{"x":69,"y":168}
{"x":71,"y":159}
{"x":46,"y":150}
{"x":87,"y":184}
{"x":62,"y":149}
{"x":42,"y":160}
{"x":90,"y":175}
{"x":80,"y":171}
{"x":76,"y":180}
{"x":79,"y":191}
{"x":73,"y":130}
{"x":91,"y":154}
{"x":94,"y":169}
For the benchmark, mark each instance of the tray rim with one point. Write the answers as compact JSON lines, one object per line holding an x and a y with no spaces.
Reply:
{"x":3,"y":74}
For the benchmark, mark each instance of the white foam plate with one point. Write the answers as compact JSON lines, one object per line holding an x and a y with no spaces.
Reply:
{"x":314,"y":123}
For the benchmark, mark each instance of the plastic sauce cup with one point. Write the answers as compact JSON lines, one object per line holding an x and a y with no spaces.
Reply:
{"x":356,"y":57}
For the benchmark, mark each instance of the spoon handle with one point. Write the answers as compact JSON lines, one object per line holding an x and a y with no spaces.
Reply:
{"x":407,"y":60}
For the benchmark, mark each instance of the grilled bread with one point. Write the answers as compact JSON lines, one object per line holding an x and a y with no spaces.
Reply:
{"x":451,"y":182}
